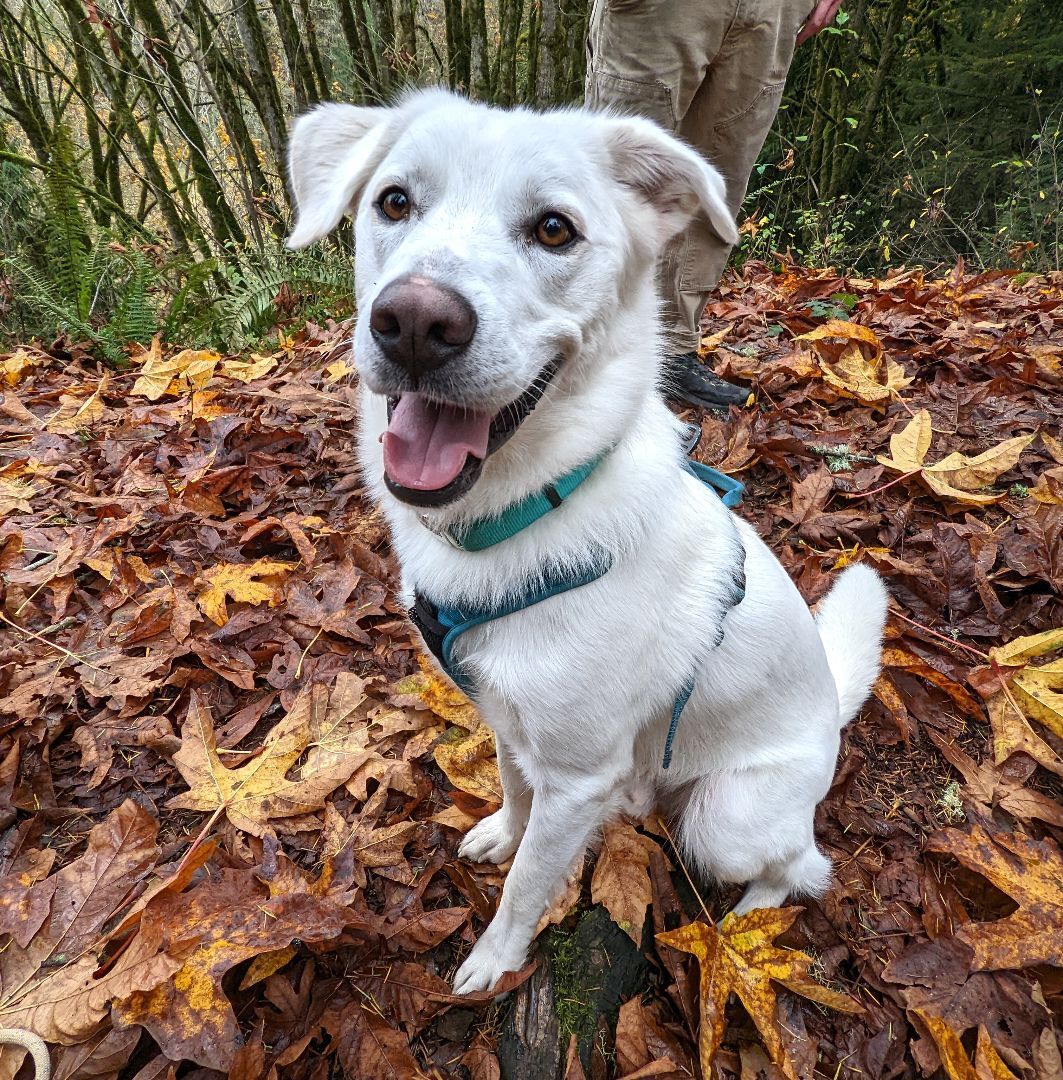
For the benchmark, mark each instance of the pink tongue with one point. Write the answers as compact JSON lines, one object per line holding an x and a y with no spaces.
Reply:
{"x":425,"y":445}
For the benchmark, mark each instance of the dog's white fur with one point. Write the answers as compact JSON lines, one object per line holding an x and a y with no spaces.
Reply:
{"x":579,"y":689}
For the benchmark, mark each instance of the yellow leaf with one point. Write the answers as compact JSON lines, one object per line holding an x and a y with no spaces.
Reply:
{"x":238,"y":581}
{"x":75,"y":415}
{"x":469,"y":763}
{"x":847,"y":331}
{"x":988,"y":1064}
{"x":711,"y":342}
{"x":1035,"y":689}
{"x":188,"y":369}
{"x":859,"y":369}
{"x":1031,"y":873}
{"x":956,"y":477}
{"x":1024,"y":649}
{"x":439,"y":695}
{"x":737,"y":956}
{"x":154,"y":383}
{"x":202,"y":407}
{"x":969,"y":474}
{"x":258,"y":791}
{"x":13,"y":367}
{"x":246,"y":370}
{"x":196,"y":366}
{"x":908,"y":447}
{"x":336,"y":371}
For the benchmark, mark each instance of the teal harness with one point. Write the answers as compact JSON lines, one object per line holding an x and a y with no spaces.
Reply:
{"x":442,"y":626}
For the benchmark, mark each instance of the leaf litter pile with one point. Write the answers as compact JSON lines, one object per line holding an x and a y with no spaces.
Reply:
{"x":231,"y":791}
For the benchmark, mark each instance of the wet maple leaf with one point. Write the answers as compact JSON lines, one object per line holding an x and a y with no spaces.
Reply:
{"x":428,"y":689}
{"x":1031,"y":873}
{"x":1036,"y":688}
{"x":189,"y":369}
{"x":258,"y":791}
{"x":469,"y":763}
{"x":957,"y":477}
{"x":221,"y":923}
{"x":737,"y":956}
{"x":988,"y":1065}
{"x":77,"y":414}
{"x":246,"y":371}
{"x":859,"y":368}
{"x":15,"y":366}
{"x":621,"y":881}
{"x":48,"y":969}
{"x":246,"y":583}
{"x":1015,"y":692}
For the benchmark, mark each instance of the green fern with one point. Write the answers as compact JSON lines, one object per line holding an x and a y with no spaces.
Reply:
{"x":249,"y":307}
{"x":66,"y":244}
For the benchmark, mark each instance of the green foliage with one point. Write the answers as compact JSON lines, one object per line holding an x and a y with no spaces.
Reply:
{"x":915,"y":133}
{"x":89,"y":285}
{"x":265,"y":285}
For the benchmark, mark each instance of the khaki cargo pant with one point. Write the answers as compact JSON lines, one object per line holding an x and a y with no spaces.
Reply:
{"x":712,"y":72}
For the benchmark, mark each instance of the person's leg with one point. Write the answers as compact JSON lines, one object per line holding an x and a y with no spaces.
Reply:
{"x":728,"y":120}
{"x":650,"y":57}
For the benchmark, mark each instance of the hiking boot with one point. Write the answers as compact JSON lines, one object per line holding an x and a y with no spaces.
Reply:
{"x":687,"y":380}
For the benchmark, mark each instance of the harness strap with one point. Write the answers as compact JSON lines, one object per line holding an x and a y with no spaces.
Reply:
{"x":446,"y":625}
{"x":441,"y":627}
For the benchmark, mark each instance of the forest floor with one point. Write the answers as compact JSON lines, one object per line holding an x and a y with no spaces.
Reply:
{"x":231,"y":794}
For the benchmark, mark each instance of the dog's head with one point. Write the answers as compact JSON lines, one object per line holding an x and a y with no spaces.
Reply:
{"x":496,"y":252}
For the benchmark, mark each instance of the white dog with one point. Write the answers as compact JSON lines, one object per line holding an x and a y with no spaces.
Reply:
{"x":533,"y":478}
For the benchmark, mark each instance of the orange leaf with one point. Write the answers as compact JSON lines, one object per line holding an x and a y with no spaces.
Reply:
{"x":737,"y":956}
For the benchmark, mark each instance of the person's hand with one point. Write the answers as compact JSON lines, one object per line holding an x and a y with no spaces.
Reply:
{"x":822,"y":16}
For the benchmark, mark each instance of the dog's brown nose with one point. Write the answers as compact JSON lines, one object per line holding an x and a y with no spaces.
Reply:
{"x":420,"y":324}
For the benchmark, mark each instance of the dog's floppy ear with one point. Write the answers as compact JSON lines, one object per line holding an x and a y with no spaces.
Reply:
{"x":671,"y":176}
{"x":332,"y":152}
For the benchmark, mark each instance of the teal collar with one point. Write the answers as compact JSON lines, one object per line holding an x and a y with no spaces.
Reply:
{"x":486,"y":532}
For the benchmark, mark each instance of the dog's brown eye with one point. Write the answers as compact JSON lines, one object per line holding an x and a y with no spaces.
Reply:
{"x":395,"y":204}
{"x":554,"y":231}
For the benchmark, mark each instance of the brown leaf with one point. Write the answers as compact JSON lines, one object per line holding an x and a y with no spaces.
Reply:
{"x":1031,"y":873}
{"x":621,"y":880}
{"x":48,"y":984}
{"x":209,"y":930}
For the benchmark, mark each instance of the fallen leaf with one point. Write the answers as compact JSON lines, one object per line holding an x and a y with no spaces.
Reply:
{"x":49,"y":983}
{"x":258,"y":791}
{"x":469,"y":763}
{"x":956,"y":477}
{"x":621,"y":881}
{"x":246,"y":371}
{"x":1031,"y":873}
{"x":210,"y":930}
{"x":987,"y":1062}
{"x":737,"y":956}
{"x":858,"y":368}
{"x":240,"y":582}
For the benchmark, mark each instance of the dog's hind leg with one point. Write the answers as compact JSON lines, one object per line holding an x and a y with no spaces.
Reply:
{"x":755,"y":825}
{"x":495,"y":838}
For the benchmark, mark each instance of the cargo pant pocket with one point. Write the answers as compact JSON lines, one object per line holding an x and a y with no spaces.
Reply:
{"x":640,"y":97}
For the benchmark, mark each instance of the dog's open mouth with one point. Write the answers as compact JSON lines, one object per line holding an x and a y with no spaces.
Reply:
{"x":433,"y":451}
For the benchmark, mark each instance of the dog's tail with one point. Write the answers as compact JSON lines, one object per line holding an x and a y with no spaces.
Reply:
{"x":850,"y":619}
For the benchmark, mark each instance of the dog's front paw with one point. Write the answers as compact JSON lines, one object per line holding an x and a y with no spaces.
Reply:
{"x":489,"y":960}
{"x":492,"y":840}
